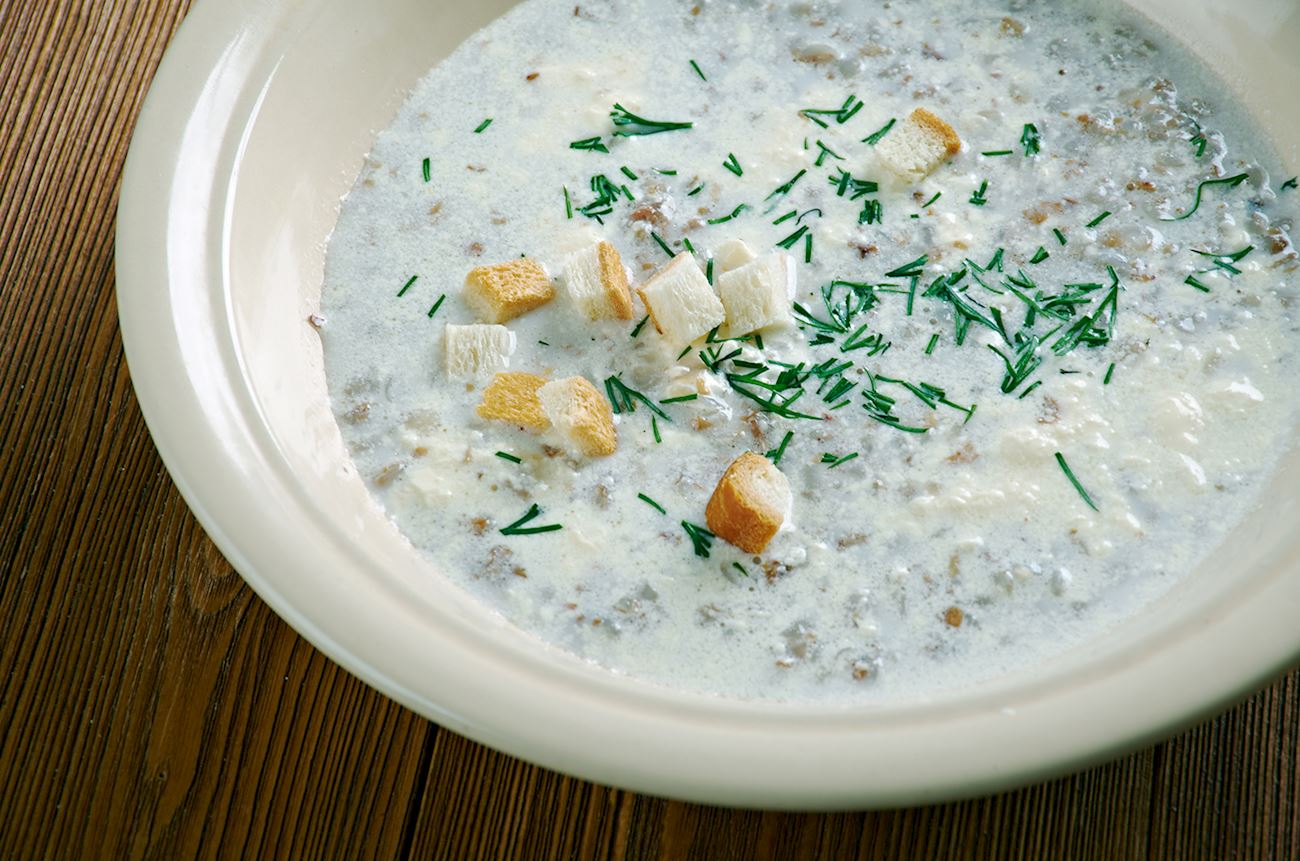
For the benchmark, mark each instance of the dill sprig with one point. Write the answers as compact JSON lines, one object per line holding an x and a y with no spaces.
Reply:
{"x":650,"y":502}
{"x":630,"y":125}
{"x":841,"y":115}
{"x":876,"y":136}
{"x":836,"y":460}
{"x":518,"y":527}
{"x":592,"y":144}
{"x":1229,"y":181}
{"x":1030,"y":139}
{"x":1069,"y":473}
{"x":623,"y":398}
{"x":701,"y":538}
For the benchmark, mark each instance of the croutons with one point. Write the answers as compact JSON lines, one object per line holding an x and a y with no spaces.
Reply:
{"x":750,"y":503}
{"x":595,"y":281}
{"x":504,"y":291}
{"x":477,"y":349}
{"x":681,"y":302}
{"x":512,"y":398}
{"x":732,"y":254}
{"x":758,"y":294}
{"x":918,"y":145}
{"x":581,"y":414}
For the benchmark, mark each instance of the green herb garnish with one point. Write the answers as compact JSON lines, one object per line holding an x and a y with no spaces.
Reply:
{"x":775,"y":454}
{"x":872,"y":212}
{"x":426,"y":168}
{"x":701,"y":538}
{"x":1194,"y":282}
{"x":407,"y":286}
{"x":733,"y":164}
{"x":1110,"y":372}
{"x":1060,"y":237}
{"x":623,"y":398}
{"x":594,"y":144}
{"x":1229,"y":181}
{"x":636,"y":330}
{"x":483,"y":126}
{"x":790,"y":240}
{"x":908,"y":270}
{"x":842,"y":114}
{"x":1040,"y":255}
{"x":696,"y":67}
{"x":437,"y":305}
{"x":934,"y":341}
{"x":1290,"y":183}
{"x":725,"y":218}
{"x":875,"y":137}
{"x":928,"y":203}
{"x":660,"y":242}
{"x":650,"y":502}
{"x":835,"y":461}
{"x":518,"y":528}
{"x":997,"y":152}
{"x":630,"y":125}
{"x":1099,"y":219}
{"x":1030,"y":139}
{"x":1065,"y":468}
{"x":740,"y":568}
{"x":507,"y":456}
{"x":824,"y":152}
{"x":978,"y":198}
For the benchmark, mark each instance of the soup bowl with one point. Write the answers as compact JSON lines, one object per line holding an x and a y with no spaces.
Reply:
{"x":255,"y":128}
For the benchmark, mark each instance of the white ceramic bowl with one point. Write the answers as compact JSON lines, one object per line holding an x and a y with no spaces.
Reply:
{"x":255,"y":127}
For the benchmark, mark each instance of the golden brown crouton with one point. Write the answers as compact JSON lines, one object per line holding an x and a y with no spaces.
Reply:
{"x":512,"y":398}
{"x":504,"y":291}
{"x":749,"y":504}
{"x":581,"y":414}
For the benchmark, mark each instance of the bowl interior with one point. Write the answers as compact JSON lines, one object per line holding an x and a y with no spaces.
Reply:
{"x":266,"y":133}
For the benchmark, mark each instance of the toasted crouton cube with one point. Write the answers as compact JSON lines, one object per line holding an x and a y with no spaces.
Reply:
{"x":681,"y":301}
{"x":750,"y":503}
{"x":581,"y":414}
{"x":733,"y":254}
{"x":918,"y":145}
{"x":758,"y":294}
{"x":595,"y":280}
{"x":504,"y":291}
{"x":512,"y":398}
{"x":477,"y":349}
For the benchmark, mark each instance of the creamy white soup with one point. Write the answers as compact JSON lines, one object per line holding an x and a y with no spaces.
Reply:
{"x":1016,"y":394}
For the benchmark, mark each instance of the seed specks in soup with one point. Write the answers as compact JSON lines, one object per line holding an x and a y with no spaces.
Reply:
{"x":1021,"y":387}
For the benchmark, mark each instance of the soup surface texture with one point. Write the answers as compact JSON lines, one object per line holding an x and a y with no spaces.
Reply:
{"x":1018,"y":397}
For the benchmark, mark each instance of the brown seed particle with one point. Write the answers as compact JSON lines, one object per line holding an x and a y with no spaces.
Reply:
{"x":953,"y":617}
{"x":531,"y":76}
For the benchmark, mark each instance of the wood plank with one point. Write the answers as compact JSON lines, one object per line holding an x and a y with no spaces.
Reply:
{"x":149,"y":703}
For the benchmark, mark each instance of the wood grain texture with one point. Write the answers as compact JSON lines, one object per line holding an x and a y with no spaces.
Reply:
{"x":151,"y":706}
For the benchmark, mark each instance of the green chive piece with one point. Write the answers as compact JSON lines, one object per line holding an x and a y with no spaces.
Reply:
{"x":427,"y":169}
{"x":507,"y":456}
{"x":483,"y":126}
{"x":650,"y":502}
{"x":1099,"y":219}
{"x":775,"y":454}
{"x":1229,"y":181}
{"x":660,"y":242}
{"x":1065,"y":468}
{"x":733,"y":164}
{"x":437,"y":305}
{"x":402,"y":292}
{"x":519,"y":528}
{"x":876,"y":136}
{"x":696,"y":67}
{"x":1110,"y":372}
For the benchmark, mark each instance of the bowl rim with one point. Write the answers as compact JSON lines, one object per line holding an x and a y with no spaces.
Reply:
{"x":543,"y":707}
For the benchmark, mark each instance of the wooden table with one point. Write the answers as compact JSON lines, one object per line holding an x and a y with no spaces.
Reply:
{"x":151,"y":705}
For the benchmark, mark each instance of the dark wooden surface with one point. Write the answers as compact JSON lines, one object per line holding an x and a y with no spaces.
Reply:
{"x":150,"y":705}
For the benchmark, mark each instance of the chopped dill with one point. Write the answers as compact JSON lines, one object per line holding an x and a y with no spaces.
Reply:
{"x":775,"y":454}
{"x":483,"y":126}
{"x":660,"y":242}
{"x":594,"y":144}
{"x":835,"y":461}
{"x":1030,"y":139}
{"x":407,"y":286}
{"x":790,"y":240}
{"x":841,"y":115}
{"x":630,"y":125}
{"x":650,"y":502}
{"x":1065,"y":468}
{"x":733,"y":164}
{"x":701,"y":538}
{"x":1229,"y":181}
{"x":518,"y":527}
{"x":725,"y":218}
{"x":437,"y":305}
{"x":876,"y":136}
